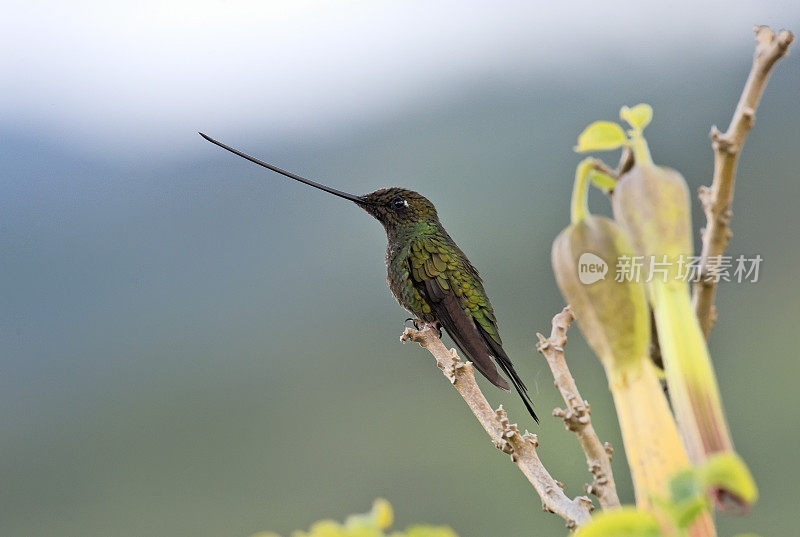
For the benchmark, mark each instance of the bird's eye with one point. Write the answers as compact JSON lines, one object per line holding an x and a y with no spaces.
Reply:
{"x":397,"y":203}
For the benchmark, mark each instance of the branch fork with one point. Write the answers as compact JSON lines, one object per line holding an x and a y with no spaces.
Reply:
{"x":716,"y":201}
{"x":520,"y":447}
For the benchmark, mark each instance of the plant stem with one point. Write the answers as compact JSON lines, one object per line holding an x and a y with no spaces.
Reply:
{"x":717,"y":199}
{"x":577,"y":415}
{"x":579,"y":206}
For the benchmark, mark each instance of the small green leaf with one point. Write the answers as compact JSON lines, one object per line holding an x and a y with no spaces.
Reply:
{"x":382,"y":513}
{"x":637,"y":117}
{"x":601,"y":136}
{"x":728,"y":472}
{"x":687,"y":498}
{"x":685,"y":485}
{"x":381,"y":516}
{"x":323,"y":528}
{"x":684,"y":513}
{"x":601,"y":180}
{"x":622,"y":522}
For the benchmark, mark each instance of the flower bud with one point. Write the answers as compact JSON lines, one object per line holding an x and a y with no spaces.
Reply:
{"x":652,"y":204}
{"x":612,"y":315}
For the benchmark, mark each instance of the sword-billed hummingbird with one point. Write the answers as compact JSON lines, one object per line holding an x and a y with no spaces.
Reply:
{"x":430,"y":276}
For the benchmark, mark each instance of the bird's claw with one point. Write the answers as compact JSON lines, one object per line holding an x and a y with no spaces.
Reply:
{"x":438,"y":328}
{"x":419,"y":324}
{"x":416,"y":322}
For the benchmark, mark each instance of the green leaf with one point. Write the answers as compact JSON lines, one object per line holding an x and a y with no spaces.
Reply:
{"x":601,"y":180}
{"x":381,"y":516}
{"x":684,"y":513}
{"x":687,"y":498}
{"x":601,"y":136}
{"x":622,"y":522}
{"x":323,"y":528}
{"x":370,"y":524}
{"x":728,"y":472}
{"x":637,"y":117}
{"x":684,"y":486}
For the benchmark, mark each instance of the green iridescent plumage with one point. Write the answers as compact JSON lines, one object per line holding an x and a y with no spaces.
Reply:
{"x":430,"y":276}
{"x":432,"y":257}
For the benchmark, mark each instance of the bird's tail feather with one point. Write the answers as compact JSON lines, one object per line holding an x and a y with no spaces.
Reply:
{"x":509,"y":370}
{"x":505,"y":364}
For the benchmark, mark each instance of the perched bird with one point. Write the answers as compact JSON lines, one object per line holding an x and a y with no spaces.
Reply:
{"x":430,"y":276}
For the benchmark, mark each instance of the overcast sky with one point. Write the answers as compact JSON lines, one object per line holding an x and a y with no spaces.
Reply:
{"x":111,"y":74}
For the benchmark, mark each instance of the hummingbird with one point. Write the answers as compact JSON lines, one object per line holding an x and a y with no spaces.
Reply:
{"x":430,"y":276}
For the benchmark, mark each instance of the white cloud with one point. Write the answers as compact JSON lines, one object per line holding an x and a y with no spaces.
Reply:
{"x":128,"y":72}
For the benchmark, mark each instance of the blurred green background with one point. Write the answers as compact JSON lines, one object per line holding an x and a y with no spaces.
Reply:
{"x":190,"y":345}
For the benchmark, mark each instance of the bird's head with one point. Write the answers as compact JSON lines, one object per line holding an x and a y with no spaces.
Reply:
{"x":396,"y":207}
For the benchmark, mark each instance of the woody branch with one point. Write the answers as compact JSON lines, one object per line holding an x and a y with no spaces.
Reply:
{"x":716,"y":200}
{"x":505,"y":435}
{"x":577,"y":416}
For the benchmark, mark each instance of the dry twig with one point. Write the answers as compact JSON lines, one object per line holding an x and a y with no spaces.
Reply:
{"x":506,"y":437}
{"x":577,"y":414}
{"x":717,"y":199}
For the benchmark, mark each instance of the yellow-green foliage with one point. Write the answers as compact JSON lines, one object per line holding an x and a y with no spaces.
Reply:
{"x":689,"y":489}
{"x":623,"y":522}
{"x":370,"y":524}
{"x":728,"y":471}
{"x":687,"y":499}
{"x":652,"y":204}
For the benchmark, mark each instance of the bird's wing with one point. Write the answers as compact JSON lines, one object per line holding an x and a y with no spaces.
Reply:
{"x":452,"y":287}
{"x":439,"y":279}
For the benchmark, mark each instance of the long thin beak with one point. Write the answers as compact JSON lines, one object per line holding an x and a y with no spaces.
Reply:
{"x":309,"y":182}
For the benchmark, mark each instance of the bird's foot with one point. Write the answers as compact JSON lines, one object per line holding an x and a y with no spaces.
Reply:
{"x":419,"y":324}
